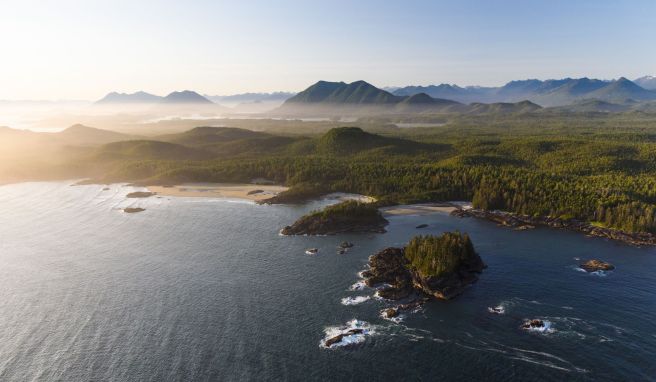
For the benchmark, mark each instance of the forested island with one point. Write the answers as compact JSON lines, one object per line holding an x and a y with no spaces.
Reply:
{"x":437,"y":266}
{"x":348,"y":216}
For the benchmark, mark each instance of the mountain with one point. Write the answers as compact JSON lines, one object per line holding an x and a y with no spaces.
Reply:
{"x":353,"y":140}
{"x":548,"y":93}
{"x":229,"y":141}
{"x":122,"y":98}
{"x":646,"y":82}
{"x":360,"y":97}
{"x":451,"y":92}
{"x":359,"y":92}
{"x":80,"y":135}
{"x":148,"y":150}
{"x":622,"y":90}
{"x":185,"y":97}
{"x":503,"y":108}
{"x":423,"y":102}
{"x":76,"y":135}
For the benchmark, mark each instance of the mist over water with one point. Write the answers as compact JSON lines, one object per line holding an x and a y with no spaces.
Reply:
{"x":206,"y":289}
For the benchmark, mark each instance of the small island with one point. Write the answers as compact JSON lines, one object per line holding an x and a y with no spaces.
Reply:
{"x":140,"y":194}
{"x":348,"y":216}
{"x":133,"y":210}
{"x":438,"y":266}
{"x":595,"y":265}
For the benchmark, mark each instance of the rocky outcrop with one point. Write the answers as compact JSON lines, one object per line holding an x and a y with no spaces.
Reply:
{"x":338,"y":338}
{"x":346,"y":244}
{"x":449,"y":285}
{"x":133,"y":210}
{"x":389,"y":267}
{"x":533,"y":324}
{"x":519,"y":221}
{"x":393,"y":269}
{"x":596,"y":265}
{"x":140,"y":194}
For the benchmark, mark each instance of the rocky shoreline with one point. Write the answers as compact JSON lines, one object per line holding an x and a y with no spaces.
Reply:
{"x":522,"y":222}
{"x":392,"y":268}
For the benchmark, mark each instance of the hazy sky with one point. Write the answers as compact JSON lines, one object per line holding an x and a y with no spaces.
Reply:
{"x":83,"y":49}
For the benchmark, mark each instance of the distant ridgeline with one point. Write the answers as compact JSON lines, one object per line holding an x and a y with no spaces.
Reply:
{"x":575,"y":95}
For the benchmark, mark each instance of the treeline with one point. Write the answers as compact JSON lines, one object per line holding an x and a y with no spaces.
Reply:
{"x":437,"y":255}
{"x":620,"y":201}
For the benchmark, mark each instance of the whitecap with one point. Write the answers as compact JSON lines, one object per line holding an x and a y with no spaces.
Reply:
{"x":358,"y":286}
{"x":355,"y":300}
{"x":499,"y":309}
{"x":347,"y":340}
{"x":545,"y":328}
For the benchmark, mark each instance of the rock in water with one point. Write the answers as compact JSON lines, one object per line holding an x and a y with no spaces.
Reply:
{"x":349,"y":216}
{"x":390,"y":312}
{"x":596,"y":265}
{"x":346,"y":244}
{"x":421,"y":226}
{"x":140,"y":194}
{"x":338,"y":338}
{"x":439,"y":266}
{"x":533,"y":324}
{"x":133,"y":210}
{"x":389,"y":266}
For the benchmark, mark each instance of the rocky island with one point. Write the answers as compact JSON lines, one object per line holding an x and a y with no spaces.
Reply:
{"x":596,"y":265}
{"x":348,"y":216}
{"x":133,"y":210}
{"x":438,"y":266}
{"x":139,"y":194}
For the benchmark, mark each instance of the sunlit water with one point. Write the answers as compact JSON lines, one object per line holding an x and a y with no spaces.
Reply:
{"x":206,"y":289}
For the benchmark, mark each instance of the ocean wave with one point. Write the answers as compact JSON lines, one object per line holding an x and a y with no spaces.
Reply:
{"x":360,"y":285}
{"x":355,"y":300}
{"x":499,"y":309}
{"x":354,"y":332}
{"x":546,"y":328}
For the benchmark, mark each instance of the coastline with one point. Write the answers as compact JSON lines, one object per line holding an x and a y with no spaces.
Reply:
{"x":253,"y":192}
{"x":419,"y":209}
{"x":520,"y":222}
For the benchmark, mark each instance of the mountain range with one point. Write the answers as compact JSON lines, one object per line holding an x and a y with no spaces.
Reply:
{"x":545,"y":93}
{"x":140,"y":97}
{"x":360,"y":97}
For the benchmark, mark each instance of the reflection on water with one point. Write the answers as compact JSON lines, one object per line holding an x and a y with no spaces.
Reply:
{"x":203,"y":289}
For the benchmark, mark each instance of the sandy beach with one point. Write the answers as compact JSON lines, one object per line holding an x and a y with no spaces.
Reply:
{"x":255,"y":192}
{"x":419,"y":209}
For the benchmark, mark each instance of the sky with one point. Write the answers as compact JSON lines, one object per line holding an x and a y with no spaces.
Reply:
{"x":83,"y":49}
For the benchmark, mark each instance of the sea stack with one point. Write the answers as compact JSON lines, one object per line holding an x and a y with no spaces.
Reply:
{"x":438,"y":266}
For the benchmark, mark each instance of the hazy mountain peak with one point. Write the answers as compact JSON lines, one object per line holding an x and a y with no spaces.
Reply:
{"x":185,"y":96}
{"x":647,"y":82}
{"x":136,"y":97}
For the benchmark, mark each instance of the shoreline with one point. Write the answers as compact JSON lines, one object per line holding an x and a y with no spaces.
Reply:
{"x":253,"y":192}
{"x":420,"y":209}
{"x":521,"y":222}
